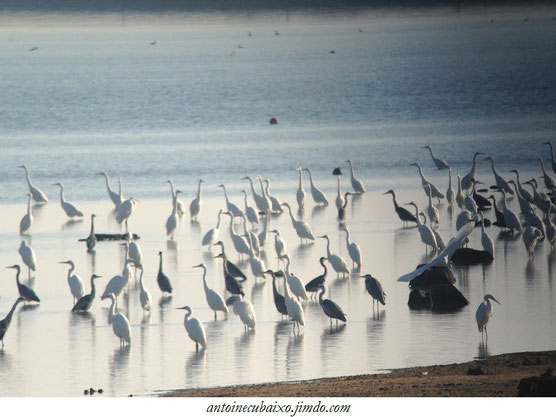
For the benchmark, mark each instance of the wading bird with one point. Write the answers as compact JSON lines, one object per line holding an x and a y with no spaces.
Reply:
{"x":85,"y":302}
{"x":214,"y":300}
{"x":196,"y":203}
{"x":116,"y":198}
{"x":6,"y":321}
{"x":27,"y":220}
{"x":91,"y":240}
{"x":126,"y":209}
{"x":120,"y":323}
{"x":230,"y":266}
{"x":466,"y":181}
{"x":28,"y":256}
{"x":483,"y":314}
{"x":245,"y":311}
{"x":279,"y":300}
{"x":318,"y":195}
{"x":37,"y":194}
{"x":330,"y":308}
{"x":194,"y":328}
{"x":431,"y":189}
{"x":231,"y":283}
{"x":24,"y":291}
{"x":180,"y":206}
{"x":211,"y":237}
{"x":162,"y":280}
{"x":404,"y":214}
{"x":337,"y":262}
{"x":70,"y":210}
{"x":74,"y":282}
{"x":440,"y":164}
{"x":294,"y":309}
{"x":356,"y":184}
{"x":302,"y":229}
{"x":144,"y":294}
{"x":313,"y":285}
{"x":374,"y":288}
{"x":231,"y":207}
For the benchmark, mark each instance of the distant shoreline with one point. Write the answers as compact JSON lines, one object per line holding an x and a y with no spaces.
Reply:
{"x":502,"y":374}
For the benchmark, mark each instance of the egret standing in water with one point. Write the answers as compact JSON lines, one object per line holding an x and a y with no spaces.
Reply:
{"x":300,"y":194}
{"x":279,"y":244}
{"x":194,"y":328}
{"x":70,"y":210}
{"x":126,"y":209}
{"x":196,"y":203}
{"x":330,"y":308}
{"x":274,"y":201}
{"x":214,"y":300}
{"x":230,"y":266}
{"x":357,"y":184}
{"x":466,"y":181}
{"x":231,"y":207}
{"x":431,"y":189}
{"x":353,"y":250}
{"x":27,"y":220}
{"x":115,"y":197}
{"x":85,"y":302}
{"x":6,"y":321}
{"x":294,"y":309}
{"x":302,"y":229}
{"x":450,"y":193}
{"x":501,"y":183}
{"x":37,"y":194}
{"x":318,"y":195}
{"x":118,"y":282}
{"x":120,"y":323}
{"x":337,"y":262}
{"x":486,"y":240}
{"x":245,"y":311}
{"x":74,"y":282}
{"x":211,"y":237}
{"x":531,"y":236}
{"x":173,"y":219}
{"x":483,"y":314}
{"x":144,"y":294}
{"x":404,"y":214}
{"x":440,"y":164}
{"x":28,"y":256}
{"x":180,"y":206}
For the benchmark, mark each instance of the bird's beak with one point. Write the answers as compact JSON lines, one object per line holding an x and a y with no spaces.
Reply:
{"x":494,"y":299}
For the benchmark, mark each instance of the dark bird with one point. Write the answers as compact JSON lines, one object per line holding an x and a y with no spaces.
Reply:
{"x":162,"y":280}
{"x":279,"y":300}
{"x":24,"y":291}
{"x":232,"y":285}
{"x":342,"y":210}
{"x":404,"y":214}
{"x":34,"y":48}
{"x":330,"y":308}
{"x":5,"y":323}
{"x":374,"y":288}
{"x":500,"y":219}
{"x":233,"y":270}
{"x":313,"y":285}
{"x":85,"y":302}
{"x":482,"y":202}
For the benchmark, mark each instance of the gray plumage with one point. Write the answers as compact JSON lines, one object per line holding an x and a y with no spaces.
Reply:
{"x":85,"y":302}
{"x":374,"y":288}
{"x":162,"y":280}
{"x":5,"y":323}
{"x":330,"y":308}
{"x":279,"y":300}
{"x":24,"y":291}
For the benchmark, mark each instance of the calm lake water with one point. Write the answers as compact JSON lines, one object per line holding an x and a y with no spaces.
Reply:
{"x":196,"y":104}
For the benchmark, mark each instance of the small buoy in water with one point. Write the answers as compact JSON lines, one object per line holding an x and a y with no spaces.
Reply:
{"x":273,"y":120}
{"x":332,"y":51}
{"x":100,"y":391}
{"x":86,"y":392}
{"x":337,"y":171}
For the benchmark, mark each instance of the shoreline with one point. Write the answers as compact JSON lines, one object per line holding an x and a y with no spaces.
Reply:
{"x":495,"y":376}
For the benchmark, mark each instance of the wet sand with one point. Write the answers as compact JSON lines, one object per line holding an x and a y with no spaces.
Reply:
{"x":502,"y":374}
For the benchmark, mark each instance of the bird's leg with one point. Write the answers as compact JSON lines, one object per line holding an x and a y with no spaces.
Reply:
{"x":215,"y":316}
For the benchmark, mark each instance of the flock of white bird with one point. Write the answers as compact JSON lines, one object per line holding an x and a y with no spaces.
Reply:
{"x":249,"y":244}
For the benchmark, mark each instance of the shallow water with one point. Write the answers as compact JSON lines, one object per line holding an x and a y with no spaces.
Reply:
{"x":196,"y":106}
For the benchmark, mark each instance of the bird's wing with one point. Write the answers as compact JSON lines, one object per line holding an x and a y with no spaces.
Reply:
{"x":450,"y":248}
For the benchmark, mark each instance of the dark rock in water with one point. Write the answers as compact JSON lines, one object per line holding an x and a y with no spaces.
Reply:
{"x":337,"y":171}
{"x":537,"y":386}
{"x":476,"y":371}
{"x":112,"y":236}
{"x":434,"y":289}
{"x":273,"y":120}
{"x":468,"y":256}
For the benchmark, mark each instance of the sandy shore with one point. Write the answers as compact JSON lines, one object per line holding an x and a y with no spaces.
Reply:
{"x":501,"y":377}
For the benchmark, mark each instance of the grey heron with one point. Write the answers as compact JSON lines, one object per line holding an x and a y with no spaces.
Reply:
{"x":163,"y":280}
{"x":24,"y":291}
{"x":330,"y":308}
{"x":85,"y":302}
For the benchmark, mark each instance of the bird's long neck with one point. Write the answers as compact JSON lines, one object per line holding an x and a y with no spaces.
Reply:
{"x":93,"y":290}
{"x":321,"y":295}
{"x":120,"y":187}
{"x":112,"y":311}
{"x":474,"y":166}
{"x":325,"y":268}
{"x":347,"y":236}
{"x":300,"y":180}
{"x":252,"y":187}
{"x":430,"y":150}
{"x":92,"y":225}
{"x":205,"y":279}
{"x":27,"y":177}
{"x":225,"y":194}
{"x":218,"y":222}
{"x":172,"y":188}
{"x":8,"y":319}
{"x":542,"y":167}
{"x":175,"y":204}
{"x":339,"y":192}
{"x":29,"y":206}
{"x":351,"y":168}
{"x":274,"y":290}
{"x":107,"y":183}
{"x":310,"y":177}
{"x":72,"y":267}
{"x":199,"y":190}
{"x":160,"y":264}
{"x":245,"y":200}
{"x":17,"y":276}
{"x":327,"y":246}
{"x":449,"y":178}
{"x":286,"y":290}
{"x":291,"y":215}
{"x":267,"y":187}
{"x":459,"y":185}
{"x":417,"y":214}
{"x":394,"y":200}
{"x":62,"y":195}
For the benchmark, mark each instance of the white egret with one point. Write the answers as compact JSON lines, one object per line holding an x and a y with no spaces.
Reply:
{"x":266,"y":201}
{"x":466,"y":181}
{"x":337,"y":262}
{"x":486,"y":240}
{"x":450,"y":193}
{"x":24,"y":291}
{"x":300,"y":194}
{"x":549,"y":228}
{"x":353,"y":250}
{"x":524,"y":193}
{"x":37,"y":194}
{"x":6,"y":321}
{"x":120,"y":323}
{"x":263,"y":234}
{"x":180,"y":209}
{"x":313,"y":285}
{"x":211,"y":237}
{"x":463,"y":218}
{"x":432,"y":211}
{"x":214,"y":300}
{"x":374,"y":288}
{"x":483,"y":314}
{"x":302,"y":228}
{"x":196,"y":203}
{"x":440,"y":164}
{"x":318,"y":195}
{"x":431,"y":187}
{"x":162,"y":279}
{"x":245,"y":311}
{"x":330,"y":308}
{"x":70,"y":210}
{"x":231,"y":207}
{"x":356,"y":184}
{"x":511,"y":219}
{"x":437,"y":235}
{"x":279,"y":244}
{"x":126,"y":209}
{"x":28,"y":256}
{"x":530,"y":236}
{"x":541,"y":200}
{"x":240,"y":244}
{"x":275,"y":201}
{"x":533,"y":220}
{"x":524,"y":205}
{"x":549,"y":182}
{"x":251,"y":238}
{"x":552,"y":159}
{"x":144,"y":294}
{"x":279,"y":299}
{"x":257,"y":264}
{"x":460,"y":198}
{"x":194,"y":328}
{"x":501,"y":183}
{"x":469,"y":202}
{"x":231,"y":283}
{"x":293,"y":308}
{"x":251,"y":213}
{"x":118,"y":282}
{"x":259,"y":199}
{"x":173,"y":219}
{"x":295,"y":283}
{"x":404,"y":214}
{"x":339,"y":201}
{"x":426,"y":233}
{"x":85,"y":302}
{"x":116,"y":198}
{"x":74,"y":282}
{"x":91,"y":240}
{"x":27,"y":220}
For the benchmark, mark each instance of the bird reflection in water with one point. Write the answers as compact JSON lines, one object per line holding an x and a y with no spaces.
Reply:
{"x":483,"y":350}
{"x":71,"y":224}
{"x":195,"y":368}
{"x":530,"y":271}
